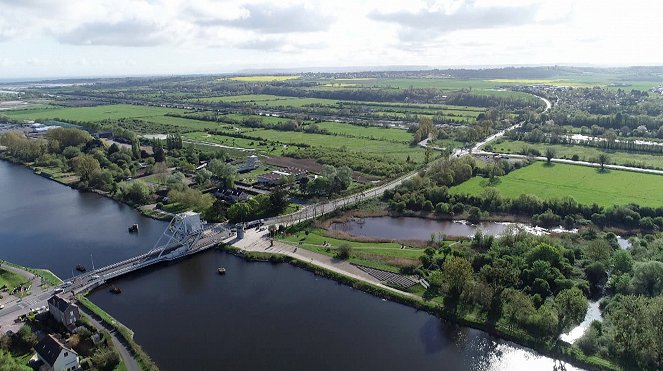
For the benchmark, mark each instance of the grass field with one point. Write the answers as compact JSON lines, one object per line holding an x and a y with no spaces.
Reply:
{"x":352,"y":144}
{"x":585,"y":184}
{"x":584,"y":153}
{"x":265,"y":78}
{"x":10,"y":279}
{"x":91,"y":114}
{"x":381,"y":255}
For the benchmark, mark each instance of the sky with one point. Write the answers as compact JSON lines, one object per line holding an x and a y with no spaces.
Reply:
{"x":77,"y":38}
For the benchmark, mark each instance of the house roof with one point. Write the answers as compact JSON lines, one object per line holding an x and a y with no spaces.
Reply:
{"x":49,"y":349}
{"x":59,"y":303}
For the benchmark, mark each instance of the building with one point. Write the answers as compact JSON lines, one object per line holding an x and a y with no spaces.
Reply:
{"x":252,"y":163}
{"x":64,"y":312}
{"x":231,"y":195}
{"x":278,"y":177}
{"x":55,"y":355}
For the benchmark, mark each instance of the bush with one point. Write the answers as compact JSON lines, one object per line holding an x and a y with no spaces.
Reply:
{"x":343,"y":251}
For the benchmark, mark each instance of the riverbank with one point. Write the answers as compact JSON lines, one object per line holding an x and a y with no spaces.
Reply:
{"x":552,"y":348}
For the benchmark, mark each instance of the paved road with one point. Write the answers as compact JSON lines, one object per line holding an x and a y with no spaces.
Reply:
{"x":124,"y":353}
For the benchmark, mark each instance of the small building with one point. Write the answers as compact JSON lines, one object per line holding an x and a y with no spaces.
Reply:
{"x":278,"y":177}
{"x":231,"y":195}
{"x":55,"y":355}
{"x":103,"y":135}
{"x":64,"y":312}
{"x":252,"y":163}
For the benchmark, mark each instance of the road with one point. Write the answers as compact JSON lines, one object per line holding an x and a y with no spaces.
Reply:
{"x":322,"y":208}
{"x":124,"y":352}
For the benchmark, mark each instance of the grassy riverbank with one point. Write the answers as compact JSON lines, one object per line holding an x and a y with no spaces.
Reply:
{"x":548,"y":347}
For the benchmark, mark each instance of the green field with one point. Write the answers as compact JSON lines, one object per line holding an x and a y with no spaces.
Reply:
{"x":381,"y":255}
{"x":261,"y":78}
{"x":586,"y":185}
{"x":10,"y":279}
{"x":584,"y":153}
{"x":370,"y":132}
{"x":92,"y":114}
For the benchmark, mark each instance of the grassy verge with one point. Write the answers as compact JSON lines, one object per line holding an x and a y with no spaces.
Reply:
{"x":470,"y":318}
{"x":125,"y":334}
{"x":10,"y":280}
{"x":47,"y":277}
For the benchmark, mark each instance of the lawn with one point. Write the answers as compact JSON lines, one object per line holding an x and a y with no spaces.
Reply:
{"x":9,"y":279}
{"x":584,"y":153}
{"x":586,"y":185}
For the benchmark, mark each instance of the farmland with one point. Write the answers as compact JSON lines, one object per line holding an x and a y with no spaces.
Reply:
{"x":586,"y":185}
{"x":90,"y":114}
{"x":263,"y":78}
{"x":584,"y":153}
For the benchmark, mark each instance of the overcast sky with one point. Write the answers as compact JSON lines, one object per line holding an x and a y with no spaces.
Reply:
{"x":60,"y":38}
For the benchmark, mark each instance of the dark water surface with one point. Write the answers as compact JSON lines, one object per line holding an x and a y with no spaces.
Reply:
{"x":44,"y":224}
{"x":257,"y":317}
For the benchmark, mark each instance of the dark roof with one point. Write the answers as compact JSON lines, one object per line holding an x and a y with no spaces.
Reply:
{"x":59,"y":303}
{"x":49,"y":349}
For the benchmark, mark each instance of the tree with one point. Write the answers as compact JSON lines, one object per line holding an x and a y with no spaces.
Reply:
{"x":136,"y":192}
{"x":278,"y":200}
{"x":550,"y":153}
{"x":343,"y":251}
{"x":102,"y":180}
{"x":9,"y":363}
{"x":68,"y":137}
{"x":571,"y":307}
{"x":622,"y":262}
{"x":225,"y":173}
{"x":192,"y":198}
{"x":176,"y":181}
{"x":516,"y":307}
{"x":602,"y":160}
{"x":85,"y":166}
{"x":455,"y":273}
{"x":203,"y":177}
{"x":159,"y":153}
{"x":648,"y":278}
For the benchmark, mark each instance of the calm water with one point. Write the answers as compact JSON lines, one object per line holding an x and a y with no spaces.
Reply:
{"x":47,"y":225}
{"x":257,"y":317}
{"x":412,"y":228}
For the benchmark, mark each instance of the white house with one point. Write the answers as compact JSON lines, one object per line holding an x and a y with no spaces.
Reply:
{"x":56,"y":356}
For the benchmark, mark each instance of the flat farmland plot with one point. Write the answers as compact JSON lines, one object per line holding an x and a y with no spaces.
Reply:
{"x":585,"y":184}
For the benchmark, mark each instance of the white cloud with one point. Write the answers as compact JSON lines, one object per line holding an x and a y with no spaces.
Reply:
{"x":181,"y":36}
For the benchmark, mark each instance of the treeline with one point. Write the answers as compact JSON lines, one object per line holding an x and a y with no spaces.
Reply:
{"x":502,"y":102}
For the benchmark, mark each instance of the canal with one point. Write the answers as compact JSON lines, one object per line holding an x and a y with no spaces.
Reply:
{"x":257,"y":317}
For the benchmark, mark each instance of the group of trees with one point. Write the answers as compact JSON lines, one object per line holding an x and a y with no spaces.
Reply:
{"x":332,"y":180}
{"x":531,"y":282}
{"x":258,"y":207}
{"x":631,"y":331}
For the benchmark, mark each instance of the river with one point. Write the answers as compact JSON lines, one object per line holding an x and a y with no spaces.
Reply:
{"x":257,"y":317}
